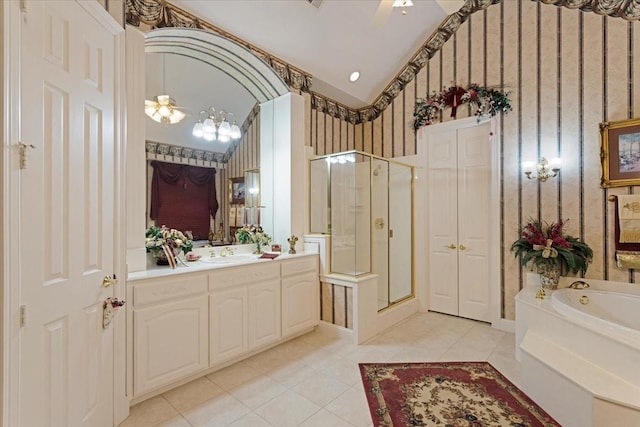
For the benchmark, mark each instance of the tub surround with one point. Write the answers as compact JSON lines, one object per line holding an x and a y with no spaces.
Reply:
{"x":579,"y":372}
{"x":193,"y":320}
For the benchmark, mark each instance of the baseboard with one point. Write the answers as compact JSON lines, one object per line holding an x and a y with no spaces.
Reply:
{"x":331,"y":330}
{"x":505,"y":325}
{"x":396,"y":314}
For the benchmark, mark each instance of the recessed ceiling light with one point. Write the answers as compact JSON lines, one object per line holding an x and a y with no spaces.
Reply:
{"x":354,"y":76}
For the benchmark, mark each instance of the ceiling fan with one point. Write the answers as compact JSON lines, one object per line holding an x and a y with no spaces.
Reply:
{"x":163,"y":108}
{"x":386,"y":6}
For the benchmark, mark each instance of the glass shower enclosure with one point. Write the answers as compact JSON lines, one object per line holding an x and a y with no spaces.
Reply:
{"x":365,"y":203}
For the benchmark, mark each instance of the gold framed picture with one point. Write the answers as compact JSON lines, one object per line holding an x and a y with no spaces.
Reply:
{"x":236,"y":191}
{"x":620,"y":153}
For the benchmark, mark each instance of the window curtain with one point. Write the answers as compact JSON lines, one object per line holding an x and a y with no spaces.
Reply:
{"x":183,"y":197}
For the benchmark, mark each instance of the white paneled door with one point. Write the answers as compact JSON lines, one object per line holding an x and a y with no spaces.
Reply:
{"x":459,"y":227}
{"x":68,"y":92}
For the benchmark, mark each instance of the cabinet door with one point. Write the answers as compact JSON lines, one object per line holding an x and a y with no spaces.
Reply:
{"x":229,"y":326}
{"x":299,"y":303}
{"x":170,"y":342}
{"x":264,"y":313}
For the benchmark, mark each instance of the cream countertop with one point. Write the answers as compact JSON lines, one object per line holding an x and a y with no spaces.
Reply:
{"x":153,"y":270}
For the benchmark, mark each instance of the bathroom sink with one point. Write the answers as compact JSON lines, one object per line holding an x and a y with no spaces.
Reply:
{"x":229,"y":259}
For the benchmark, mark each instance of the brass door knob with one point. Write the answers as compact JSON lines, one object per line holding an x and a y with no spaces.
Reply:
{"x":462,"y":247}
{"x":451,"y":246}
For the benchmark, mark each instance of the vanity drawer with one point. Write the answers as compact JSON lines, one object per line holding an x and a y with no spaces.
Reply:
{"x":169,"y":288}
{"x":244,"y":274}
{"x":298,"y":266}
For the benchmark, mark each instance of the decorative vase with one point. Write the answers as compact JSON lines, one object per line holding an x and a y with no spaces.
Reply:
{"x":161,"y":257}
{"x":549,"y":275}
{"x":258,"y":248}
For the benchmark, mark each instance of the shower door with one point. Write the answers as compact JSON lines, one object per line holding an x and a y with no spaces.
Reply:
{"x":400,"y":235}
{"x":392,"y":251}
{"x":380,"y":231}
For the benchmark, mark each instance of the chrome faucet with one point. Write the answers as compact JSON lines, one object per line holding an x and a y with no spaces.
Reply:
{"x":579,"y":284}
{"x":227,"y":251}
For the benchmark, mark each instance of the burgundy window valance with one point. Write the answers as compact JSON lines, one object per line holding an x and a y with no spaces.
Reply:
{"x":183,"y":197}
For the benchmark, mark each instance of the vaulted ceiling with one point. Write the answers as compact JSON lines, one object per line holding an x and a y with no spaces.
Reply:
{"x":328,"y":39}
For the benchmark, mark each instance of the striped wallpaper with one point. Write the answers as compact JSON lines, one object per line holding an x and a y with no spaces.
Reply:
{"x":567,"y":71}
{"x":246,"y":156}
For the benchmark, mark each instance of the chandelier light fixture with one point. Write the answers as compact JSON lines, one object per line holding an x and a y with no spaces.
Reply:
{"x":163,"y":108}
{"x":214,"y":125}
{"x":546,"y":169}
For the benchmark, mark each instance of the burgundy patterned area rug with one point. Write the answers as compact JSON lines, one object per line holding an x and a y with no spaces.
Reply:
{"x":448,"y":394}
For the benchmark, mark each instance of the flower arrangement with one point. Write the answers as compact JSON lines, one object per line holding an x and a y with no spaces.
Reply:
{"x":158,"y":237}
{"x":545,"y":245}
{"x":487,"y":101}
{"x":253,"y":234}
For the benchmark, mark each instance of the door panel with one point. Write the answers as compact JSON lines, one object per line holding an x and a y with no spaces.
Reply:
{"x":66,"y":205}
{"x":474,"y":166}
{"x":443,"y":259}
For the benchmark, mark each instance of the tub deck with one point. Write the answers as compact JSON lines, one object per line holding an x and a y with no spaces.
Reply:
{"x":577,"y":373}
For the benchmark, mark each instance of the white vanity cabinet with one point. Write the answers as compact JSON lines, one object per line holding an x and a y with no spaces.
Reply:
{"x":300,"y":295}
{"x":191,"y":323}
{"x":245,"y":309}
{"x":170,"y":330}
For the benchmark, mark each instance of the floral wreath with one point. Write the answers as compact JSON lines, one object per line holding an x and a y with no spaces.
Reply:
{"x":488,"y":101}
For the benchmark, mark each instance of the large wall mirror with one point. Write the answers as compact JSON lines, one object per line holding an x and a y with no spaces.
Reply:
{"x":204,"y":73}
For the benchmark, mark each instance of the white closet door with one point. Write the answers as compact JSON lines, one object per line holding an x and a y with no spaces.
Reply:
{"x":443,"y":240}
{"x":474,"y":179}
{"x":68,"y":207}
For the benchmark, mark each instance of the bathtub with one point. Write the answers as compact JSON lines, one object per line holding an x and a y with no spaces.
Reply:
{"x":579,"y":361}
{"x":611,"y":313}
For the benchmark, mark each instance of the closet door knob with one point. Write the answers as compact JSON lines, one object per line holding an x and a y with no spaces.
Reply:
{"x":462,"y":247}
{"x":451,"y":246}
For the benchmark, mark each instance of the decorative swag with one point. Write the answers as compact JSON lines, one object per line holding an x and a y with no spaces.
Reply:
{"x":183,"y":197}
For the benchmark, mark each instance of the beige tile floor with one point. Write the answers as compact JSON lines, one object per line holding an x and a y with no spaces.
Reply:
{"x":314,"y":380}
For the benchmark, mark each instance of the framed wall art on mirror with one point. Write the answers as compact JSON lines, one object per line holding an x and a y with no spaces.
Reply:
{"x":236,"y":190}
{"x":620,"y":153}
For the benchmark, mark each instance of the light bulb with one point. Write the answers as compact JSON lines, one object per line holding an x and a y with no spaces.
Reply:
{"x":235,"y":131}
{"x":208,"y":125}
{"x":223,"y":138}
{"x":197,"y":130}
{"x":164,"y":111}
{"x":528,"y":166}
{"x":163,"y":99}
{"x":224,"y":128}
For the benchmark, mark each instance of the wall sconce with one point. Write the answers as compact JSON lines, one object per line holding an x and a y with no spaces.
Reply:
{"x":546,"y":169}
